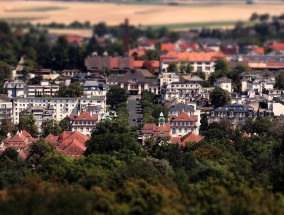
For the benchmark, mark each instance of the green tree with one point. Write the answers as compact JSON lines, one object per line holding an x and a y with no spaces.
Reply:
{"x":71,"y":91}
{"x":280,"y":80}
{"x":51,"y":127}
{"x":173,"y":68}
{"x":222,"y":65}
{"x":110,"y":136}
{"x":5,"y":71}
{"x":204,"y":123}
{"x":64,"y":124}
{"x":10,"y":153}
{"x":7,"y":126}
{"x":219,"y":97}
{"x":115,"y":96}
{"x":28,"y":123}
{"x":186,"y":67}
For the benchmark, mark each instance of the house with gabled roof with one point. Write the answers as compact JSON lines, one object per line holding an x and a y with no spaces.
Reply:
{"x":177,"y":131}
{"x":72,"y":143}
{"x":84,"y":122}
{"x":19,"y":141}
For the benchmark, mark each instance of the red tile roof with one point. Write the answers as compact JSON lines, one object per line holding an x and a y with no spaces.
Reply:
{"x":168,"y":46}
{"x":73,"y":38}
{"x":139,"y":63}
{"x":191,"y":56}
{"x":19,"y":140}
{"x":23,"y":154}
{"x":184,"y":117}
{"x":149,"y":128}
{"x":259,"y":50}
{"x":51,"y":138}
{"x":189,"y":137}
{"x":72,"y":147}
{"x":139,"y":52}
{"x":163,"y":131}
{"x":83,"y":116}
{"x":277,"y":46}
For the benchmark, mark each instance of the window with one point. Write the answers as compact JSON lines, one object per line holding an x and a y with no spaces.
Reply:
{"x":173,"y":130}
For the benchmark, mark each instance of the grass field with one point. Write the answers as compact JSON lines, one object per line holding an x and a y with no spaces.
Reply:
{"x":174,"y":17}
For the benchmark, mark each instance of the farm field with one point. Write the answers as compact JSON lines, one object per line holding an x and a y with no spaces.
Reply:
{"x":195,"y":15}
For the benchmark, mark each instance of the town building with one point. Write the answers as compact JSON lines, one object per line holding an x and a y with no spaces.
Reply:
{"x":43,"y":89}
{"x":40,"y":114}
{"x":15,"y":88}
{"x":182,"y":90}
{"x":97,"y":64}
{"x":224,"y":83}
{"x":63,"y":107}
{"x":167,"y":78}
{"x":200,"y":61}
{"x":236,"y":115}
{"x":134,"y":82}
{"x":6,"y":108}
{"x":183,"y":123}
{"x":94,"y":88}
{"x":84,"y":122}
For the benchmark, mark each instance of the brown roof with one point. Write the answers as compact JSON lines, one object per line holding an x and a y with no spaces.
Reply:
{"x":184,"y":117}
{"x":189,"y":137}
{"x":149,"y":128}
{"x":72,"y":147}
{"x":192,"y":56}
{"x":83,"y":116}
{"x":51,"y":138}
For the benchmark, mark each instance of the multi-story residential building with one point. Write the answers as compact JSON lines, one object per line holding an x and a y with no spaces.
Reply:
{"x":237,"y":115}
{"x":6,"y":108}
{"x":40,"y":114}
{"x":62,"y":106}
{"x":272,"y":95}
{"x":15,"y":88}
{"x":134,"y":82}
{"x":200,"y":61}
{"x":94,"y":88}
{"x":181,"y":129}
{"x":97,"y":63}
{"x":183,"y":123}
{"x":224,"y":83}
{"x":168,"y":78}
{"x":84,"y":122}
{"x":182,"y":90}
{"x":43,"y":89}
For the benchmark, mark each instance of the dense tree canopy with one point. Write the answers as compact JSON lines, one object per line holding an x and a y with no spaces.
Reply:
{"x":115,"y":96}
{"x":219,"y":97}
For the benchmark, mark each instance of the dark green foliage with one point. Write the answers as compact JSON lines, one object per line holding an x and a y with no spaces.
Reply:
{"x":219,"y":97}
{"x":115,"y":96}
{"x":51,"y":127}
{"x":280,"y":80}
{"x":71,"y":91}
{"x":28,"y":123}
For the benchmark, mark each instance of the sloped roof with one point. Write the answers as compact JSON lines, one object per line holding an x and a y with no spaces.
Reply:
{"x":163,"y":131}
{"x":277,"y":46}
{"x":83,"y":116}
{"x":139,"y":63}
{"x":23,"y":154}
{"x":148,"y":128}
{"x":192,"y":56}
{"x":184,"y":117}
{"x":73,"y":147}
{"x":69,"y":135}
{"x":168,"y":46}
{"x":51,"y":138}
{"x":190,"y":137}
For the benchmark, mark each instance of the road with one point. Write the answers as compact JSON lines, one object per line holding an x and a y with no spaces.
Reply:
{"x":132,"y":106}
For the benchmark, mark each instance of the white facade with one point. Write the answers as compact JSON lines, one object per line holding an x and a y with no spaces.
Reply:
{"x":62,"y":106}
{"x":224,"y":83}
{"x":6,"y":110}
{"x":15,"y":88}
{"x":168,"y":78}
{"x":272,"y":94}
{"x":208,"y":67}
{"x":277,"y":109}
{"x":179,"y":90}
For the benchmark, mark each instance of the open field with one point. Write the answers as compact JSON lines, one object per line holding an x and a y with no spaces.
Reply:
{"x":144,"y":15}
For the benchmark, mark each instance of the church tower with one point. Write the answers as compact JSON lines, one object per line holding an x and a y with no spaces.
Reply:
{"x":161,"y":119}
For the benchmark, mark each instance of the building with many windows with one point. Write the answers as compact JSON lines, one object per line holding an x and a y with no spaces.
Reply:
{"x":6,"y":108}
{"x":84,"y":122}
{"x":236,"y":115}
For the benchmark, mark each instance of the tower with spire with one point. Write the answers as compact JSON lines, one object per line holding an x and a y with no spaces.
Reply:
{"x":161,"y":119}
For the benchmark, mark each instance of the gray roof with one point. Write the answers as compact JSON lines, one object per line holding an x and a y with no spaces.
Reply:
{"x":90,"y":83}
{"x":236,"y":107}
{"x":182,"y":107}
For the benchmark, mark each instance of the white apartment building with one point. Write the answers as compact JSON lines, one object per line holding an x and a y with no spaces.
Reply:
{"x":168,"y":78}
{"x":94,"y":88}
{"x":224,"y":83}
{"x":6,"y":109}
{"x":62,"y":106}
{"x":257,"y":84}
{"x":200,"y":61}
{"x":43,"y":89}
{"x":182,"y":90}
{"x":15,"y":88}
